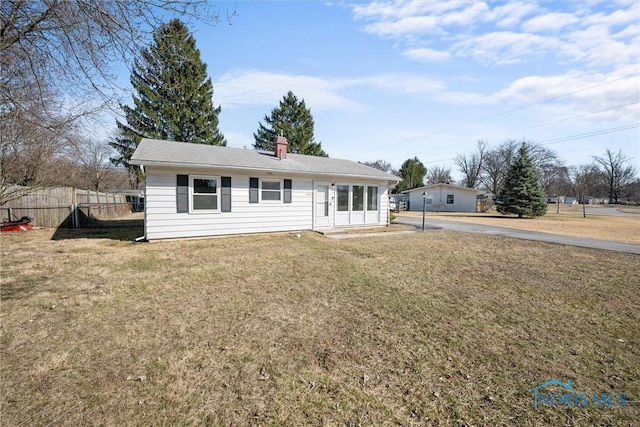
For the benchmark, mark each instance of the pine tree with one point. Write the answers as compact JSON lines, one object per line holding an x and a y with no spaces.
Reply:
{"x":521,"y":192}
{"x":412,"y":173}
{"x":293,"y":120}
{"x":173,"y":95}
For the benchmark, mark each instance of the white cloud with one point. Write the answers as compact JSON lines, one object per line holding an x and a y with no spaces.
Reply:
{"x":465,"y":16}
{"x":255,"y":87}
{"x":618,"y":17}
{"x":549,"y":22}
{"x":632,"y":31}
{"x":510,"y":14}
{"x":408,"y":19}
{"x":399,"y":9}
{"x":427,"y":55}
{"x":406,"y":83}
{"x":601,"y":38}
{"x":506,"y":47}
{"x":568,"y":94}
{"x":414,"y":25}
{"x":576,"y":93}
{"x":595,"y":45}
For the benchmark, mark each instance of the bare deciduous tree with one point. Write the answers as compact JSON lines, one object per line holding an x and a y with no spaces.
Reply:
{"x":583,"y":180}
{"x":31,"y":143}
{"x":438,"y":175}
{"x":471,"y":166}
{"x":97,"y":170}
{"x":615,"y":173}
{"x":69,"y":46}
{"x":497,"y":160}
{"x":56,"y":60}
{"x":495,"y":165}
{"x":382,"y":165}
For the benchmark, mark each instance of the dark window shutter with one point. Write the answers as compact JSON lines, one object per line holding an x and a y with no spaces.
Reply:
{"x":253,"y":190}
{"x":182,"y":193}
{"x":287,"y":191}
{"x":226,"y":194}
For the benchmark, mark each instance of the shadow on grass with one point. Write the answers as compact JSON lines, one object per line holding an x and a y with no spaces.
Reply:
{"x":115,"y":229}
{"x":14,"y":291}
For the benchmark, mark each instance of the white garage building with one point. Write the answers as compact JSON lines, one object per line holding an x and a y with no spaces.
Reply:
{"x":444,"y":198}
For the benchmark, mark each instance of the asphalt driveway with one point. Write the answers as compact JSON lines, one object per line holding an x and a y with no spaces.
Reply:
{"x":608,"y":210}
{"x":521,"y":234}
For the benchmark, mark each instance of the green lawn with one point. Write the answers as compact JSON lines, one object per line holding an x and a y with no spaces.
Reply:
{"x":437,"y":328}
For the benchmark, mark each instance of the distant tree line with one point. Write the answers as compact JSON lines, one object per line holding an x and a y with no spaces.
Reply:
{"x":610,"y":176}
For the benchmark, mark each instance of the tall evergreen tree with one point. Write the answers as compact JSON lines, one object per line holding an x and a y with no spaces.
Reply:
{"x":173,"y":97}
{"x":293,"y":120}
{"x":412,"y":173}
{"x":521,"y":192}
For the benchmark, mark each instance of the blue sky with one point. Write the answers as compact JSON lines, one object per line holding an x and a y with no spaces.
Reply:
{"x":392,"y":80}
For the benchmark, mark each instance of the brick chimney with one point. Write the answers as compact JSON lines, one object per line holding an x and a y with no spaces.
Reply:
{"x":280,"y":147}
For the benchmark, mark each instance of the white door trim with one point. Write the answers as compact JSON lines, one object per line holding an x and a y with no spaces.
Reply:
{"x":320,"y":220}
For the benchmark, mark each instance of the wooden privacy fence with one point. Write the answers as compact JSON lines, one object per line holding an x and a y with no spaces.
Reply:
{"x":67,"y":207}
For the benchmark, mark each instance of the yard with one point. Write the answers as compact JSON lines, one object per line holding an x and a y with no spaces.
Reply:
{"x":437,"y":328}
{"x":569,"y":222}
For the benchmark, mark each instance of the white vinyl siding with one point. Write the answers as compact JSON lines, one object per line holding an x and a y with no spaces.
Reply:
{"x":162,"y":221}
{"x":443,"y":198}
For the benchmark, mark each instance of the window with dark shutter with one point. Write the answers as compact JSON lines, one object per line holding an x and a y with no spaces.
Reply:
{"x":226,"y":194}
{"x":254,"y":184}
{"x":182,"y":193}
{"x":287,"y":191}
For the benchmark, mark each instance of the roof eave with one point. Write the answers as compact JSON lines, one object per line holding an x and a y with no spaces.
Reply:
{"x":140,"y":162}
{"x":443,"y":184}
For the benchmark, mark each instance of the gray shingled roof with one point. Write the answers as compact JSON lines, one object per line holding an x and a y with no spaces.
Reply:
{"x":442,"y":184}
{"x":155,"y":152}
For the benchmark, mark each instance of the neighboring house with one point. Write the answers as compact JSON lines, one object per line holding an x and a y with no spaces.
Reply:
{"x":570,"y":201}
{"x":196,"y":190}
{"x":444,"y":198}
{"x":591,"y":200}
{"x":555,"y":199}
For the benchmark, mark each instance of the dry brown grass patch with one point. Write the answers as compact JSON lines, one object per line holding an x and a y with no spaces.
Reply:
{"x":368,"y":230}
{"x":570,"y":223}
{"x":421,"y":329}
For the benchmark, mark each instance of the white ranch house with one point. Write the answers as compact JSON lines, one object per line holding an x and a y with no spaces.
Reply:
{"x":444,"y":198}
{"x":195,"y":190}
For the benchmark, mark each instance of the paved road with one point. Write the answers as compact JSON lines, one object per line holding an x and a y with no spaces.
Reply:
{"x":592,"y":210}
{"x":521,"y":234}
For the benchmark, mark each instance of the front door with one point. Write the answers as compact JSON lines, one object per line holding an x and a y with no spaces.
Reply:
{"x":321,"y":211}
{"x":357,"y":204}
